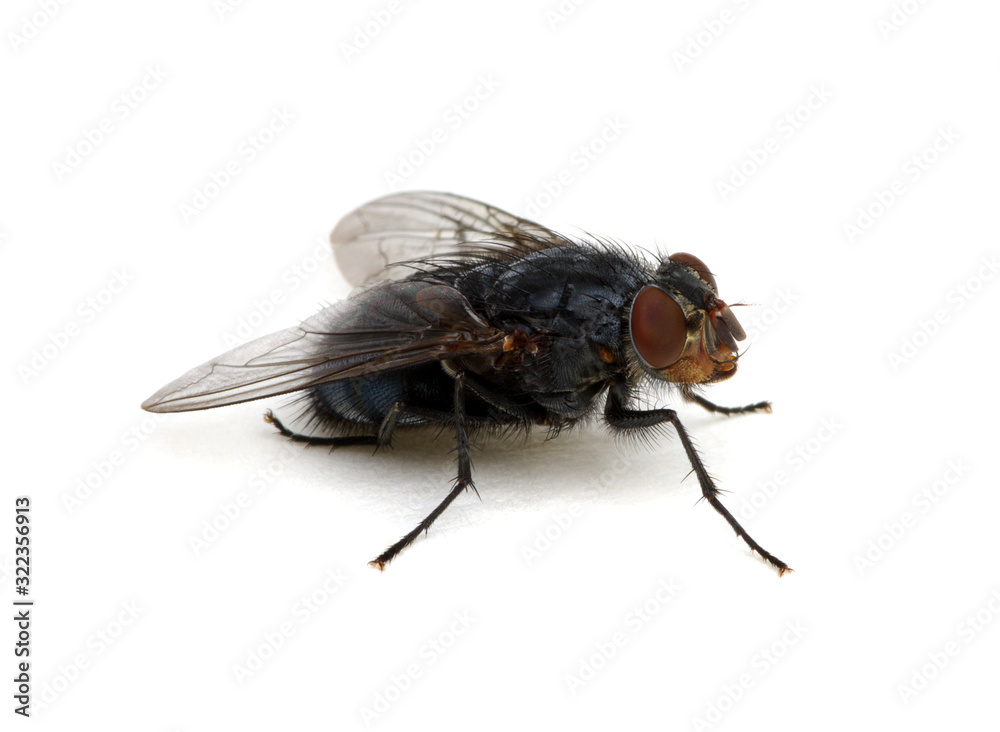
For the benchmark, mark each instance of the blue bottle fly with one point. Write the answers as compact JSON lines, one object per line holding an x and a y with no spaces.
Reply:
{"x":470,"y":318}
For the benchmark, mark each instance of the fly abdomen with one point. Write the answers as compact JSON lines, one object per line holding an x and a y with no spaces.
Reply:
{"x":367,"y":400}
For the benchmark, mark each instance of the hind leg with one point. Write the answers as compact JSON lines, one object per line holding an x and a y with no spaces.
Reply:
{"x":311,"y":440}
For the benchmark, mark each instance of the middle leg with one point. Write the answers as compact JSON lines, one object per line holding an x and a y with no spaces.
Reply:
{"x":462,"y":482}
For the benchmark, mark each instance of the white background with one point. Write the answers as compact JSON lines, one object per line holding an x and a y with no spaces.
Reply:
{"x":136,"y":627}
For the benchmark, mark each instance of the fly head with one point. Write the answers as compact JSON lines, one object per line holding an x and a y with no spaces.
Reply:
{"x":680,"y":328}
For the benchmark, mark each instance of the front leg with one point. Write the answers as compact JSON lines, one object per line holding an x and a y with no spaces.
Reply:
{"x":620,"y":417}
{"x":690,"y":395}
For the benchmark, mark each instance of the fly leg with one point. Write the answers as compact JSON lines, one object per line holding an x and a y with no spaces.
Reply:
{"x":311,"y":440}
{"x":383,"y":438}
{"x":619,"y":417}
{"x":690,"y":396}
{"x":462,"y":482}
{"x":478,"y":387}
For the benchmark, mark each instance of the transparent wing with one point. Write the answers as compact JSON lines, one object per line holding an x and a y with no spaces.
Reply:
{"x":388,"y":326}
{"x":377,"y":241}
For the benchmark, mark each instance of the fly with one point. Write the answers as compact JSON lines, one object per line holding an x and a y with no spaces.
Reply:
{"x":472,"y":319}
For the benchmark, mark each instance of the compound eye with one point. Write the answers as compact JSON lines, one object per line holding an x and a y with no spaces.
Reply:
{"x":658,"y":327}
{"x":697,"y":265}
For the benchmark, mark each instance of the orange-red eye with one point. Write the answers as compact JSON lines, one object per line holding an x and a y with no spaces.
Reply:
{"x":659,"y":330}
{"x":697,"y":265}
